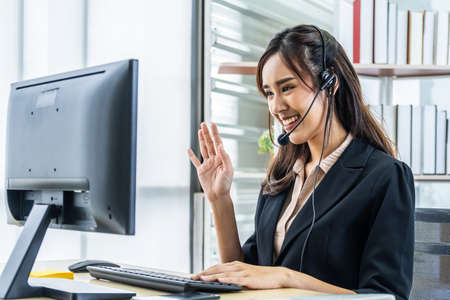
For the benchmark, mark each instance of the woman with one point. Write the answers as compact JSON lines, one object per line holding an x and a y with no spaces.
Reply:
{"x":355,"y":234}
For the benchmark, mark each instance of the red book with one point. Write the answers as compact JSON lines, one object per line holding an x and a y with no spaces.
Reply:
{"x":356,"y":30}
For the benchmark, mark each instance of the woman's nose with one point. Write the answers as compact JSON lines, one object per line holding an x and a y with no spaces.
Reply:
{"x":277,"y":104}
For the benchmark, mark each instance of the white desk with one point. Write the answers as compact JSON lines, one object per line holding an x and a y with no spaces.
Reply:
{"x":62,"y":265}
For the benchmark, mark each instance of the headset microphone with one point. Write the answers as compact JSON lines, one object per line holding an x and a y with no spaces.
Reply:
{"x":283,"y":139}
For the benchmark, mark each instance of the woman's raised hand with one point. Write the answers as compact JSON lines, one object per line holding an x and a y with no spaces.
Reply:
{"x":215,"y":172}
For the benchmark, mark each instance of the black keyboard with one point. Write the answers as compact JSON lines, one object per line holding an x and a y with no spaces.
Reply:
{"x":159,"y":281}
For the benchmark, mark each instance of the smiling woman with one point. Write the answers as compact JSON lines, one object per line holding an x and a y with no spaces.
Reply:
{"x":357,"y":234}
{"x":295,"y":57}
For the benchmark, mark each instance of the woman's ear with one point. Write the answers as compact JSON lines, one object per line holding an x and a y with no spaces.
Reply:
{"x":336,"y":84}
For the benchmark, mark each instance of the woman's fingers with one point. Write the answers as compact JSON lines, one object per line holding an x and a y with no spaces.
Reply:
{"x":225,"y":158}
{"x":216,"y":136}
{"x":234,"y":280}
{"x":194,"y":158}
{"x":203,"y":149}
{"x":211,"y":270}
{"x":208,"y":140}
{"x":220,"y":149}
{"x":213,"y":277}
{"x":219,"y":268}
{"x":216,"y":277}
{"x":209,"y":148}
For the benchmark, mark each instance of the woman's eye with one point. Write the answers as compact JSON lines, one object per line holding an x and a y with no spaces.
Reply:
{"x":287,"y":88}
{"x":268,"y":93}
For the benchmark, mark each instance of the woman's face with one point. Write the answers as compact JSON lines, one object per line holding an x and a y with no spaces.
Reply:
{"x":289,"y":98}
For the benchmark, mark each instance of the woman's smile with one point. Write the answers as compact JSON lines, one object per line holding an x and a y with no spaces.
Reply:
{"x":290,"y":122}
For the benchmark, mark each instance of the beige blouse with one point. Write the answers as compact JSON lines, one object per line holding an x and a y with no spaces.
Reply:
{"x":301,"y":191}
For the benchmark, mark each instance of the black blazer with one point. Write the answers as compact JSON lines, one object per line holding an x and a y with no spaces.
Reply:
{"x":363,"y":237}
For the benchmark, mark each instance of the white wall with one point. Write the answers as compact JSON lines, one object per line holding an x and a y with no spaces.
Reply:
{"x":159,"y":36}
{"x":57,"y":38}
{"x":53,"y":36}
{"x":53,"y":43}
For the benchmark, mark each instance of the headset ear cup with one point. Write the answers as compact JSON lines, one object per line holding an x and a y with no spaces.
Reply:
{"x":327,"y":80}
{"x":332,"y":84}
{"x":325,"y":75}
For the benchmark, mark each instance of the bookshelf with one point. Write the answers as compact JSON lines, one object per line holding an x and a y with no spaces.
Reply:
{"x":245,"y":176}
{"x":371,"y":70}
{"x":401,"y":71}
{"x":432,"y":178}
{"x":383,"y":71}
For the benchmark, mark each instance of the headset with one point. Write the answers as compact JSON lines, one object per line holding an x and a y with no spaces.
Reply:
{"x":327,"y":81}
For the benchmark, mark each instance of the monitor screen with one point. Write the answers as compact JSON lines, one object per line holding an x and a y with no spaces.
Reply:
{"x":71,"y":142}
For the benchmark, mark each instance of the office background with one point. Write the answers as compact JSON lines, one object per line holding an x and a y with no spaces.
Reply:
{"x":40,"y":37}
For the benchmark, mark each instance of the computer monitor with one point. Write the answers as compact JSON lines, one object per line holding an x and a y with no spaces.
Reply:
{"x":70,"y":162}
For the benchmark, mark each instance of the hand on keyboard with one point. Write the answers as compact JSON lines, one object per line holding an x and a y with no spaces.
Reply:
{"x":242,"y":274}
{"x":160,"y":281}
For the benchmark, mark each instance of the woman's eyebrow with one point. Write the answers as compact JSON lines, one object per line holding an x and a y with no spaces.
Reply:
{"x":279,"y":82}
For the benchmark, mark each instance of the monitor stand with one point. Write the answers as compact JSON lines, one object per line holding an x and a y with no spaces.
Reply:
{"x":14,"y":279}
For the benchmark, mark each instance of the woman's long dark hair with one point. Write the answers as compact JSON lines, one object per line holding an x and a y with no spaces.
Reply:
{"x":300,"y":49}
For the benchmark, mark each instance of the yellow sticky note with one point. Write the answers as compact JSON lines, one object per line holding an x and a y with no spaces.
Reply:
{"x":51,"y":274}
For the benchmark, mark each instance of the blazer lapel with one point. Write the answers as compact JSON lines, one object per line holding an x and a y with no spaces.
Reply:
{"x":341,"y":178}
{"x":266,"y":226}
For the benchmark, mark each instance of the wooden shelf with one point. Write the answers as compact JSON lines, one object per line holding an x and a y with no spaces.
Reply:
{"x":432,"y":178}
{"x":401,"y":71}
{"x":372,"y":70}
{"x":242,"y":68}
{"x":239,"y":176}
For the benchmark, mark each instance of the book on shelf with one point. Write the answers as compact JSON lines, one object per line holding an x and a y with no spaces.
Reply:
{"x":392,"y":33}
{"x":381,"y":32}
{"x":404,"y":130}
{"x":419,"y":133}
{"x":384,"y":34}
{"x":377,"y":113}
{"x":366,"y":32}
{"x":442,"y":38}
{"x":415,"y":37}
{"x":416,"y":140}
{"x":402,"y":36}
{"x":390,"y":121}
{"x":448,"y":147}
{"x":429,"y":139}
{"x":344,"y":29}
{"x":356,"y":30}
{"x":441,"y":135}
{"x":428,"y":38}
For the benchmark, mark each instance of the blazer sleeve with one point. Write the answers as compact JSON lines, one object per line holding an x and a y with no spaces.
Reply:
{"x":387,"y":259}
{"x":250,"y":249}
